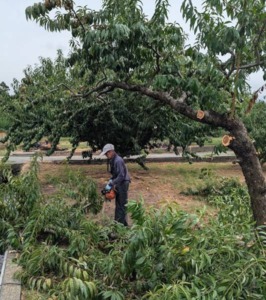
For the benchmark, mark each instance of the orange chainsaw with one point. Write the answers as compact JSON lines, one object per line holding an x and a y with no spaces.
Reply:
{"x":108,"y":194}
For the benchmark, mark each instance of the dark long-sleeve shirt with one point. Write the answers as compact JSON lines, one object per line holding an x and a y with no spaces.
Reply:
{"x":118,"y":170}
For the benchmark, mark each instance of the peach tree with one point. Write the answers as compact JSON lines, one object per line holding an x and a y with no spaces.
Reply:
{"x":45,"y":106}
{"x":121,"y":49}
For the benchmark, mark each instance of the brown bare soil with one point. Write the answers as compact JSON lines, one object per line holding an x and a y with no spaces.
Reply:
{"x":162,"y":183}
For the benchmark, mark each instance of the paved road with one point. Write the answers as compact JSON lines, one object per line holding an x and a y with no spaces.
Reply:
{"x":21,"y":158}
{"x":1,"y":262}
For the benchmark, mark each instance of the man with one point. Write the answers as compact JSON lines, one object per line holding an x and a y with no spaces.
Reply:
{"x":119,"y":181}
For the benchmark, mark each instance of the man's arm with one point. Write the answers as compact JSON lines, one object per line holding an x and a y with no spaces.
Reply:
{"x":120,"y":170}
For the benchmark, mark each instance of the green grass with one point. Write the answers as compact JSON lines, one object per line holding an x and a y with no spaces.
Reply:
{"x":215,"y":141}
{"x":65,"y":143}
{"x":32,"y":295}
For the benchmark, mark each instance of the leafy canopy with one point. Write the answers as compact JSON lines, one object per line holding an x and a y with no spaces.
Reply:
{"x":119,"y":42}
{"x":45,"y":104}
{"x":255,"y":123}
{"x":120,"y":47}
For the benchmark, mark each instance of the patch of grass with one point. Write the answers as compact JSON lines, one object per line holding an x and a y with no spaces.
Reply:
{"x":55,"y":175}
{"x":214,"y":141}
{"x":65,"y":143}
{"x":184,"y":175}
{"x":161,"y":183}
{"x":32,"y":295}
{"x":2,"y":152}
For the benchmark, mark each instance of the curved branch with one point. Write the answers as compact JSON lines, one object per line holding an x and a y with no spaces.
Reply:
{"x":244,"y":67}
{"x":178,"y":104}
{"x":233,"y":68}
{"x":79,"y":20}
{"x":251,"y":65}
{"x":158,"y":56}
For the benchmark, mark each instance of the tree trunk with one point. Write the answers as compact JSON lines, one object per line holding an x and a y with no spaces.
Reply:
{"x":241,"y":144}
{"x":252,"y":170}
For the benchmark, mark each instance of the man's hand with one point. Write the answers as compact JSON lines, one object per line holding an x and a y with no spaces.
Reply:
{"x":108,"y":187}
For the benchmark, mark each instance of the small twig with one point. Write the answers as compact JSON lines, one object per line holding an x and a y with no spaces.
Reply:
{"x":103,"y":79}
{"x":62,"y":84}
{"x":261,"y":89}
{"x":107,"y":90}
{"x":158,"y":56}
{"x":233,"y":58}
{"x":256,"y":43}
{"x":72,"y":9}
{"x":101,"y":98}
{"x":256,"y":64}
{"x":86,"y":206}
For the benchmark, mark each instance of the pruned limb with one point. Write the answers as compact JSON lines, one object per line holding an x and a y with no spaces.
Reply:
{"x":178,"y":104}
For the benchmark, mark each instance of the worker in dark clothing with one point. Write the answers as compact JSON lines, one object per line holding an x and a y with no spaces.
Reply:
{"x":119,"y":181}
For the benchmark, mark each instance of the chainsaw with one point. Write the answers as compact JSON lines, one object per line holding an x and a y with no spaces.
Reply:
{"x":108,"y":194}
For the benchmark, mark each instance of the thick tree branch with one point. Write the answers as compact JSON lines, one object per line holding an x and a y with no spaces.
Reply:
{"x":210,"y":117}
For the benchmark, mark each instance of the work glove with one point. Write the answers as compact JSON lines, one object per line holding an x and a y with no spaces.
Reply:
{"x":110,"y":182}
{"x":108,"y":187}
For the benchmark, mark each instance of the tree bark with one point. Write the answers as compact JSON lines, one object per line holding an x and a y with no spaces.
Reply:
{"x":241,"y":144}
{"x":252,"y":170}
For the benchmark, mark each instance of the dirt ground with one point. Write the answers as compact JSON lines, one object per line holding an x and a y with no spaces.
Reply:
{"x":162,"y":183}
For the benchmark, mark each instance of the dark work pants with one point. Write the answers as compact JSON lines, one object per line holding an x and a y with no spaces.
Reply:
{"x":120,"y":202}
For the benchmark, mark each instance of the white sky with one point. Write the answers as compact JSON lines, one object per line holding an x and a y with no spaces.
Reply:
{"x":23,"y":42}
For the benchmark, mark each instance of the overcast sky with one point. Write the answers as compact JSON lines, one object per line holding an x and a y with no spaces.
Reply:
{"x":23,"y":42}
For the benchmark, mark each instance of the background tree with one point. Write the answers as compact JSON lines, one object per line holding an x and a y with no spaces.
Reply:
{"x":255,"y":123}
{"x":4,"y":96}
{"x":149,"y":57}
{"x":45,"y":104}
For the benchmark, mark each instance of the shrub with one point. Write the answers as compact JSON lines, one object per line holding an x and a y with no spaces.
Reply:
{"x":166,"y":254}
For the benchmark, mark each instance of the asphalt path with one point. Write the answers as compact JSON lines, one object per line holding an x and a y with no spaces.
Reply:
{"x":1,"y":262}
{"x":23,"y":157}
